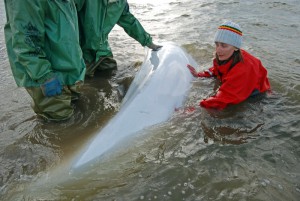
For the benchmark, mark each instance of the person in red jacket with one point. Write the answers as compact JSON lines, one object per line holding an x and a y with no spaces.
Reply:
{"x":241,"y":74}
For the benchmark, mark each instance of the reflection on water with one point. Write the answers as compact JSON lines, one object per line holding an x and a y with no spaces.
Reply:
{"x":246,"y":152}
{"x":234,"y":125}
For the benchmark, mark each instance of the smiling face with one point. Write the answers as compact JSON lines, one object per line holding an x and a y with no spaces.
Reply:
{"x":224,"y":51}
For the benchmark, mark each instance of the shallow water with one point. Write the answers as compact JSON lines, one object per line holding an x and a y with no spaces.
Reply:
{"x":246,"y":152}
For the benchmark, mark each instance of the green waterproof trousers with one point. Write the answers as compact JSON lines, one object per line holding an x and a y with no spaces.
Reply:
{"x":55,"y":108}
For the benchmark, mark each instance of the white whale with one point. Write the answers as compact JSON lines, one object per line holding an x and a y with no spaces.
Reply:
{"x":160,"y":87}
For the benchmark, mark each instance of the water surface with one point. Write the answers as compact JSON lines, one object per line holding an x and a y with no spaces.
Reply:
{"x":246,"y":152}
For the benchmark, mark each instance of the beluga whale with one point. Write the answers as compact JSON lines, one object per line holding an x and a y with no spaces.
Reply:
{"x":158,"y":89}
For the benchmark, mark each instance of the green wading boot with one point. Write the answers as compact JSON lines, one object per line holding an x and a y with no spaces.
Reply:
{"x":107,"y":64}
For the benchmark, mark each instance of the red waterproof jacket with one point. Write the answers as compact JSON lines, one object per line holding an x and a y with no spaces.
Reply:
{"x":237,"y":83}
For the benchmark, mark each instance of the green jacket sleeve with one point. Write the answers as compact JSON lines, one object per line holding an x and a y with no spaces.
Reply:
{"x":134,"y":28}
{"x":26,"y":18}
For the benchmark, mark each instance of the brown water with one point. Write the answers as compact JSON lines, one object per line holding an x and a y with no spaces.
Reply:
{"x":246,"y":152}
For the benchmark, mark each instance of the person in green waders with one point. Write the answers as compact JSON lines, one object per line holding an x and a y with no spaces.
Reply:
{"x":42,"y":40}
{"x":96,"y":20}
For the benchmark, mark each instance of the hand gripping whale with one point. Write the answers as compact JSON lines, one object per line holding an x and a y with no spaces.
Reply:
{"x":160,"y":87}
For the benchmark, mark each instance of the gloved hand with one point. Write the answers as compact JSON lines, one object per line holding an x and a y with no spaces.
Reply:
{"x":154,"y":47}
{"x":51,"y":87}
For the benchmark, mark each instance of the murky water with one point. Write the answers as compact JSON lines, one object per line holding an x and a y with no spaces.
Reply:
{"x":246,"y":152}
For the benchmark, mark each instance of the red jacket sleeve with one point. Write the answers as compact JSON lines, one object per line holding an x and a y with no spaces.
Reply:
{"x":207,"y":73}
{"x":236,"y":87}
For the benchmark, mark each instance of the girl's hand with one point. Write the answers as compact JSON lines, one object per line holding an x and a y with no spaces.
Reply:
{"x":192,"y":70}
